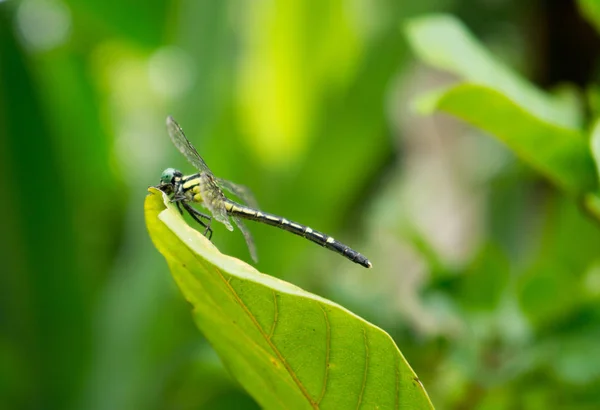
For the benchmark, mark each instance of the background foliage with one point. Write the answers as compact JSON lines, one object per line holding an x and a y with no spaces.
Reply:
{"x":486,"y":275}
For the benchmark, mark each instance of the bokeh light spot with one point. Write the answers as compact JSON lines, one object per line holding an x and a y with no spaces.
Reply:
{"x":43,"y":24}
{"x":170,"y":72}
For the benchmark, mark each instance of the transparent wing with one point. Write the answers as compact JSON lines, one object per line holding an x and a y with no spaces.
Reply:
{"x":185,"y":146}
{"x":247,"y":237}
{"x":214,"y":200}
{"x":240,"y":191}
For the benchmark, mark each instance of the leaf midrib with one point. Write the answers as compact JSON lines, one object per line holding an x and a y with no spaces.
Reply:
{"x":266,"y":337}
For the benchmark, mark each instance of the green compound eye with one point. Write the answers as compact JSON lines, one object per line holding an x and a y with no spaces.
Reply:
{"x":167,"y":176}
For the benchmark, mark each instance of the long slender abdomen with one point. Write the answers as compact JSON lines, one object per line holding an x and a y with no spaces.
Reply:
{"x":298,"y":229}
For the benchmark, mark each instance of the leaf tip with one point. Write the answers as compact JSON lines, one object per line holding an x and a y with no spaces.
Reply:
{"x":154,"y":190}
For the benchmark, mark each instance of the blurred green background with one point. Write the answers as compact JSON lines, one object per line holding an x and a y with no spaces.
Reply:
{"x":487,"y":278}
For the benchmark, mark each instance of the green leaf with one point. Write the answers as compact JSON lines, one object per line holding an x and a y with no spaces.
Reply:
{"x":288,"y":348}
{"x":595,"y":145}
{"x":541,"y":129}
{"x":592,"y":200}
{"x":111,"y":17}
{"x":444,"y":42}
{"x":559,"y":153}
{"x":591,"y":10}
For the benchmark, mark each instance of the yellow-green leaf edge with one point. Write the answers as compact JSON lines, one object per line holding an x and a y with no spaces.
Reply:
{"x":288,"y":348}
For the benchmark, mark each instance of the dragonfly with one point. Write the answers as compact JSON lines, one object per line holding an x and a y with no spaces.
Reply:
{"x":207,"y":190}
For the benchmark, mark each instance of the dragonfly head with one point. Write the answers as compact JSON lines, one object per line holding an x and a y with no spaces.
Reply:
{"x":168,"y":179}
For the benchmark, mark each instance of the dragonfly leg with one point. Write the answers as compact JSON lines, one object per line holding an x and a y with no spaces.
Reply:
{"x":196,"y":215}
{"x":179,"y":207}
{"x":177,"y":198}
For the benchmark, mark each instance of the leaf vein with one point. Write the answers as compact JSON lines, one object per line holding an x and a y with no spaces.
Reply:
{"x":218,"y":308}
{"x":275,"y":315}
{"x":269,"y":342}
{"x":327,"y":352}
{"x":364,"y":382}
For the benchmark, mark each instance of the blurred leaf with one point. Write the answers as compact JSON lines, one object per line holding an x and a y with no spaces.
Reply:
{"x":296,"y":51}
{"x":551,"y":290}
{"x":443,"y":42}
{"x":547,"y":294}
{"x":479,"y":286}
{"x":595,"y":145}
{"x":44,"y":313}
{"x":593,"y":100}
{"x":142,"y":22}
{"x":542,"y":130}
{"x":591,"y":202}
{"x":579,"y":359}
{"x":591,"y":10}
{"x":483,"y":283}
{"x":287,"y":347}
{"x":560,"y":154}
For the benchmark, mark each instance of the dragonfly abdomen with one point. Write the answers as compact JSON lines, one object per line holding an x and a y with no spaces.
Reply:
{"x":298,"y":229}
